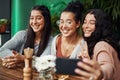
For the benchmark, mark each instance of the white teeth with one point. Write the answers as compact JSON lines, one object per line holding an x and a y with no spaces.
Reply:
{"x":65,"y":31}
{"x":35,"y":27}
{"x":87,"y":31}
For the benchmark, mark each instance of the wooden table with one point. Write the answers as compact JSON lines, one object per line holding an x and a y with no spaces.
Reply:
{"x":17,"y":74}
{"x":14,"y":74}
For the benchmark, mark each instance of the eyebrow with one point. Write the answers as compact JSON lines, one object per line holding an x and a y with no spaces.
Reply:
{"x":66,"y":20}
{"x":90,"y":20}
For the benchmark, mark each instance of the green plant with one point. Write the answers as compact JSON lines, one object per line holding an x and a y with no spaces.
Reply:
{"x":3,"y":25}
{"x":56,"y":10}
{"x":4,"y":22}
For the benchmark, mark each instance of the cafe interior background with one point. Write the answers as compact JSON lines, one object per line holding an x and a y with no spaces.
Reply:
{"x":17,"y":12}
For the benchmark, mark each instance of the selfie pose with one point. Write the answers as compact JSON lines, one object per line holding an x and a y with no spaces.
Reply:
{"x":103,"y":48}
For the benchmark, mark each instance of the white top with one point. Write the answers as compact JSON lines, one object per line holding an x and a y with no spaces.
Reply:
{"x":77,"y":50}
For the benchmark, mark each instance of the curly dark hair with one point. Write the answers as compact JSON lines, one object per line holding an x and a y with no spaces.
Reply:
{"x":45,"y":33}
{"x":103,"y":32}
{"x":76,"y":8}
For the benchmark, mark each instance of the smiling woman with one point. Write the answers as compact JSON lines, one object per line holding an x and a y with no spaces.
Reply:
{"x":89,"y":25}
{"x":36,"y":36}
{"x":103,"y":48}
{"x":69,"y":43}
{"x":37,"y":21}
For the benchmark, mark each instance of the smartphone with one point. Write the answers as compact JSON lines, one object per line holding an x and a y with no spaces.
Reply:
{"x":66,"y":66}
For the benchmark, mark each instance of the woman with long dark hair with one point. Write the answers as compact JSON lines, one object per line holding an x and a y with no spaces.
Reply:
{"x":103,"y":48}
{"x":37,"y":37}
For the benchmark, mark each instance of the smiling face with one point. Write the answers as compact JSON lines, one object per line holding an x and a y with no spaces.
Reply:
{"x":88,"y":25}
{"x":67,"y":24}
{"x":36,"y":21}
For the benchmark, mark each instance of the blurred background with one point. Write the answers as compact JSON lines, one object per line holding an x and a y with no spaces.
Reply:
{"x":17,"y":13}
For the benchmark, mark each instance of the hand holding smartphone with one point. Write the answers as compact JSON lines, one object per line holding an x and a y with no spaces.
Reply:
{"x":66,"y":66}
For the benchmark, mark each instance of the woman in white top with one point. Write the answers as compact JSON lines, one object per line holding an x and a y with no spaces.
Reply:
{"x":69,"y":43}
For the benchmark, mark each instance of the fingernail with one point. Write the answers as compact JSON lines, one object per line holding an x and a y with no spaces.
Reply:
{"x":85,"y":60}
{"x":79,"y":63}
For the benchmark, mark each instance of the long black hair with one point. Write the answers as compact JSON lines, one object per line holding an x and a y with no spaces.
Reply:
{"x":45,"y":33}
{"x":103,"y":32}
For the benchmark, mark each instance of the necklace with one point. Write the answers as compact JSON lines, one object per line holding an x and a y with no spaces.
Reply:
{"x":68,"y":46}
{"x":67,"y":50}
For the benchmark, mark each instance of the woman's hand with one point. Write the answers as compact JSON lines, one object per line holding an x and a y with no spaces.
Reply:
{"x":89,"y":70}
{"x":12,"y":61}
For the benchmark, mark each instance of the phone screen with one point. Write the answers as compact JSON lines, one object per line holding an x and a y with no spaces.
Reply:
{"x":66,"y":66}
